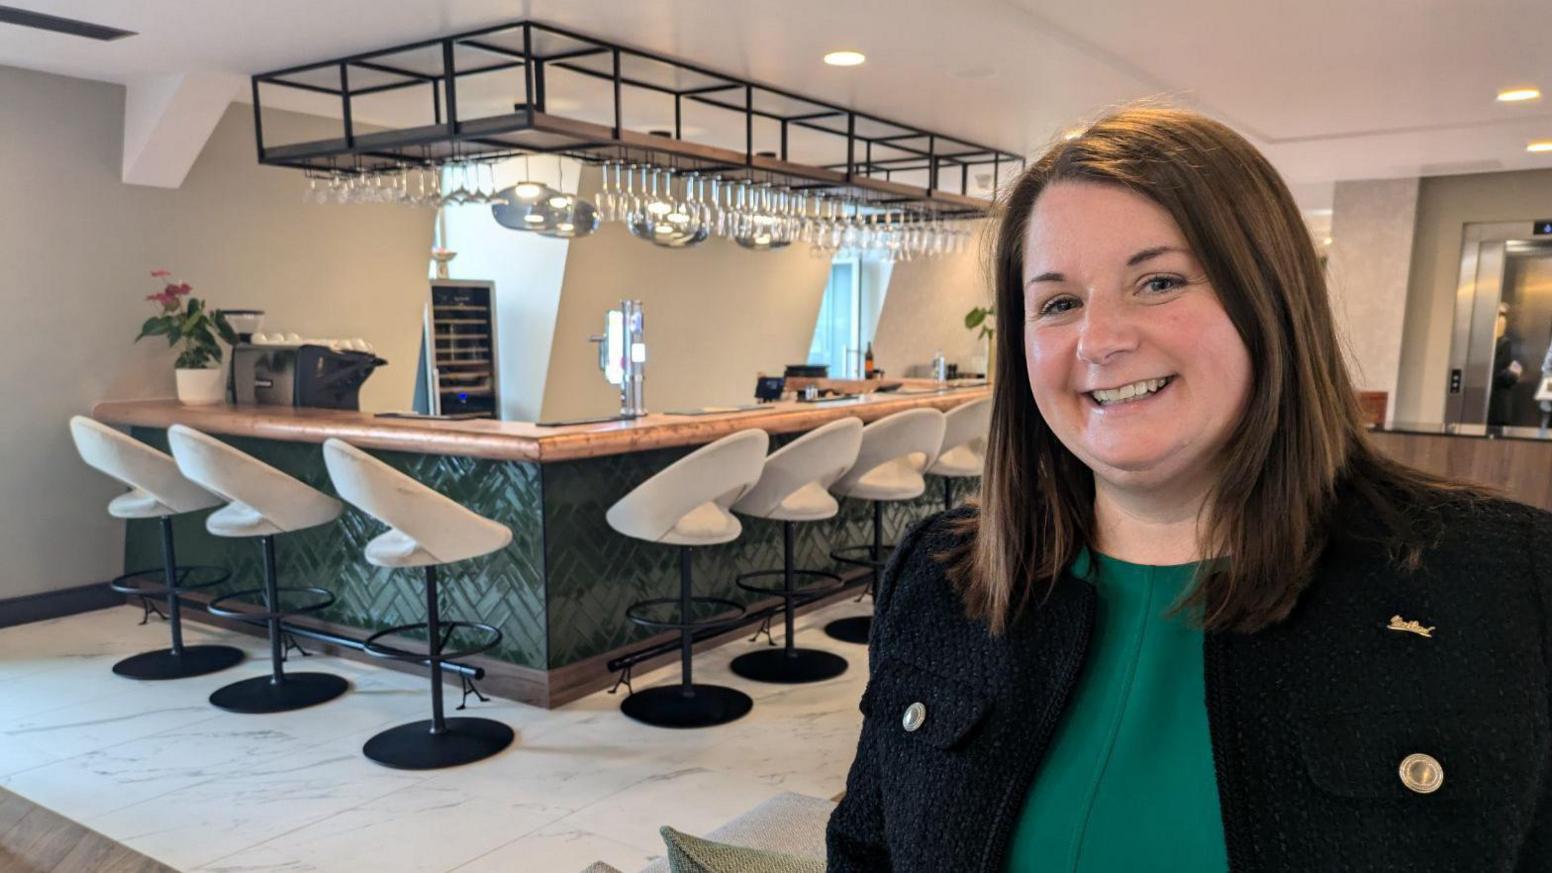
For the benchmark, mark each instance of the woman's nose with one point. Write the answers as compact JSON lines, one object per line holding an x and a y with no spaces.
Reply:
{"x":1104,"y":333}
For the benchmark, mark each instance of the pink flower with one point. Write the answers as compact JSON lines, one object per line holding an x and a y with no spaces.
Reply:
{"x":178,"y":290}
{"x":160,"y":274}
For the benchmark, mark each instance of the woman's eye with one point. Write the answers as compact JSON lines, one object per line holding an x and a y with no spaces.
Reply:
{"x":1161,"y":284}
{"x":1058,"y":305}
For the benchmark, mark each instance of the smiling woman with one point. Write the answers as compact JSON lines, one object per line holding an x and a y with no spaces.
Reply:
{"x":1166,"y":638}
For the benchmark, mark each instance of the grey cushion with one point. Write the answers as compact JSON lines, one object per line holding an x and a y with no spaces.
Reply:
{"x":789,"y":823}
{"x":687,"y":854}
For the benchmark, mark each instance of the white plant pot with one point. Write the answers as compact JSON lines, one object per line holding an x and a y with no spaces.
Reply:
{"x":201,"y":387}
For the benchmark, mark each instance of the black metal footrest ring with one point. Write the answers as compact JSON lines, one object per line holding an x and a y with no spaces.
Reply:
{"x":635,"y":610}
{"x":151,"y":582}
{"x":849,"y":555}
{"x":836,"y":583}
{"x":372,"y":647}
{"x":219,"y":606}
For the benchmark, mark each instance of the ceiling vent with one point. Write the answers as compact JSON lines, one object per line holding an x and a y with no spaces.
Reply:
{"x":71,"y":26}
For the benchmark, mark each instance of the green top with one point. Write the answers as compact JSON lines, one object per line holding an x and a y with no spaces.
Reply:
{"x":1128,"y":781}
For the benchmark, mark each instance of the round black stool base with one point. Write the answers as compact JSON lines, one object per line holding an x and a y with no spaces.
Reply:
{"x":850,"y":630}
{"x":260,"y":695}
{"x":192,"y":661}
{"x":669,"y":707}
{"x":414,"y":747}
{"x":777,"y":665}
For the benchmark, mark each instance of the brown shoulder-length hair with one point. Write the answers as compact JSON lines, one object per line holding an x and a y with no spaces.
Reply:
{"x":1298,"y":444}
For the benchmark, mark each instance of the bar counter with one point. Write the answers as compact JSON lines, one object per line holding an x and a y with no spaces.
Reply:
{"x":559,"y":591}
{"x":516,"y":440}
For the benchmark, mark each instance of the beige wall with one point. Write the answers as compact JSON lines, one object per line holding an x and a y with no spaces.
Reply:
{"x":1445,"y":204}
{"x":925,"y":308}
{"x":715,"y":316}
{"x":77,"y":245}
{"x":1372,"y":223}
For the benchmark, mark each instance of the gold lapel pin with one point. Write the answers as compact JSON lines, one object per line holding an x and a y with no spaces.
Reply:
{"x":1397,"y":623}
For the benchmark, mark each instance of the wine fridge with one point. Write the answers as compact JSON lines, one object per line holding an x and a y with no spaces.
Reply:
{"x":459,"y":350}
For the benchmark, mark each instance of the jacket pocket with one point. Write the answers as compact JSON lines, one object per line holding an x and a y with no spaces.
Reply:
{"x":1483,"y":755}
{"x":919,"y":707}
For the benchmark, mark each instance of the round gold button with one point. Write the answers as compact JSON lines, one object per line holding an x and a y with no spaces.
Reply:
{"x":1422,"y":773}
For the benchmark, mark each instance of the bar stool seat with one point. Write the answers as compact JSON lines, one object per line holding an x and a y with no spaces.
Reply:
{"x":159,"y":491}
{"x":794,"y":487}
{"x":963,"y":455}
{"x":960,"y":461}
{"x":686,"y":505}
{"x":426,"y":529}
{"x":262,"y":502}
{"x":895,"y":450}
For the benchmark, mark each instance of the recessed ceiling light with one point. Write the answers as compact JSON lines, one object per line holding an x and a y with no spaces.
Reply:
{"x":1518,"y":95}
{"x":846,"y":58}
{"x":1540,"y":145}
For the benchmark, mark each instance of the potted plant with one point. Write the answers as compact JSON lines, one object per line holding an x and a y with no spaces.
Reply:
{"x":984,"y":317}
{"x":194,"y":331}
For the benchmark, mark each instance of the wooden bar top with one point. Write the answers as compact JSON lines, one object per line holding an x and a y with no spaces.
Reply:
{"x":513,"y":440}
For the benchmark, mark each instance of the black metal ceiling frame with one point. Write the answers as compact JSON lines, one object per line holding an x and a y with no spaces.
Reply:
{"x":450,"y":131}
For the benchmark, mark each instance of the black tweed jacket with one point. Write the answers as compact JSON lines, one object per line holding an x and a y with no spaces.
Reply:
{"x":1310,"y":719}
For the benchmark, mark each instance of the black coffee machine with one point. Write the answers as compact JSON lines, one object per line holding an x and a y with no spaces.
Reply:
{"x":299,"y":375}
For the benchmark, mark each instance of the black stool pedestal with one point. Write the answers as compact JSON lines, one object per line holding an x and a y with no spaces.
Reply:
{"x":686,"y":705}
{"x":419,"y":745}
{"x":279,"y":691}
{"x":789,"y":665}
{"x":439,"y":741}
{"x":179,"y":661}
{"x":874,"y":556}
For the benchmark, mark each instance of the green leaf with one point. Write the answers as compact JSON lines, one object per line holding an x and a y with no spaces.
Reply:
{"x":974,"y":318}
{"x":225,"y":329}
{"x":156,"y":325}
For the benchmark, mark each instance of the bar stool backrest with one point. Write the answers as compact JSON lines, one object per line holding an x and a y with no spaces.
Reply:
{"x":893,"y":437}
{"x":443,"y":528}
{"x":278,"y":498}
{"x":966,"y":423}
{"x":820,"y":456}
{"x":718,"y":473}
{"x":149,"y":472}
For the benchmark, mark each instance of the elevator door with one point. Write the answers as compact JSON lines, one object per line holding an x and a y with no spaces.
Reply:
{"x":1527,"y":303}
{"x":1503,"y":314}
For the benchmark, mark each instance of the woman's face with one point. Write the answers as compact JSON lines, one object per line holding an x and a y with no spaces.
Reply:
{"x":1132,"y":359}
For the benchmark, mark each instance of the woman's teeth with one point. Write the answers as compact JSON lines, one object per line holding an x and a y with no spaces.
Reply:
{"x":1125,"y":393}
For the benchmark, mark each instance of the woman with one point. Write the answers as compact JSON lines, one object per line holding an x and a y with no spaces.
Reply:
{"x":1354,"y":674}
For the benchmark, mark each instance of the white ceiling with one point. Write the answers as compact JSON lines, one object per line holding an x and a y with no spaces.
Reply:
{"x":1331,"y":90}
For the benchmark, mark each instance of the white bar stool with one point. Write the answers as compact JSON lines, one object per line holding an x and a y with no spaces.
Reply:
{"x":426,"y":529}
{"x":964,"y":445}
{"x":794,"y":487}
{"x":895,"y":451}
{"x":262,"y":502}
{"x":686,"y":505}
{"x":159,"y":491}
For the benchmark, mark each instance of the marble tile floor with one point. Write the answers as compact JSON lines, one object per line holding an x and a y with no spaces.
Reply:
{"x":153,"y":766}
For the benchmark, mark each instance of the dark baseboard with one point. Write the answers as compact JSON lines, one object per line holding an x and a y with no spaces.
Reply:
{"x":57,"y":604}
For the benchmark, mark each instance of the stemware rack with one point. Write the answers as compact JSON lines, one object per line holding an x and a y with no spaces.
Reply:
{"x":429,"y":73}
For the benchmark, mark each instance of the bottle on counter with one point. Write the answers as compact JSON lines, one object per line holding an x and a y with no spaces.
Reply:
{"x":867,"y":362}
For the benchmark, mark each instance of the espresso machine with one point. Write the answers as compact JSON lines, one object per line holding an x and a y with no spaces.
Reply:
{"x":622,"y":355}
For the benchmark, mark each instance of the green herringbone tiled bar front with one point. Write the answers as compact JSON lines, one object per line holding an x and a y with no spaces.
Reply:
{"x":558,"y":592}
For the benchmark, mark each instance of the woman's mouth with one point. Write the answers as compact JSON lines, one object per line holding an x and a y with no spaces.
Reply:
{"x":1130,"y":392}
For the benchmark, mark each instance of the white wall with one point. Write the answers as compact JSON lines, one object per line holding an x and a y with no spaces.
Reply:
{"x":925,"y":308}
{"x":1369,"y":260}
{"x":77,"y":245}
{"x":715,"y":316}
{"x":527,"y":269}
